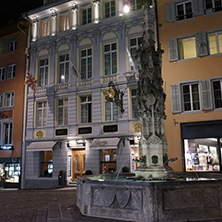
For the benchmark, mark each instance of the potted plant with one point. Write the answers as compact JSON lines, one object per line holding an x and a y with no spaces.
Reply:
{"x":62,"y":178}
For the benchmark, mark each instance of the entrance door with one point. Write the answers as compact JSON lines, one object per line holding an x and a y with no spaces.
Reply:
{"x":78,"y":166}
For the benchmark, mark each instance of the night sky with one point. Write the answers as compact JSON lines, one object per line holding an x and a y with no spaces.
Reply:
{"x":12,"y":5}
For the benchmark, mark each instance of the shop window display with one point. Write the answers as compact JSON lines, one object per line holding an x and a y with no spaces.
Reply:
{"x":202,"y":154}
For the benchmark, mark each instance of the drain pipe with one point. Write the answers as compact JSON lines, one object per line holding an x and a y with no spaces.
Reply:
{"x":21,"y":29}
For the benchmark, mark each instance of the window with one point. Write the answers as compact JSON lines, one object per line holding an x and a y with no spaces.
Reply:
{"x":64,"y":22}
{"x":201,"y":154}
{"x":63,"y":68}
{"x":41,"y":114}
{"x":215,"y":5}
{"x":134,"y":103}
{"x":2,"y":73}
{"x":86,"y":63}
{"x":136,"y":4}
{"x":110,"y":9}
{"x":86,"y":109}
{"x":12,"y":45}
{"x":1,"y":101}
{"x":63,"y":111}
{"x":45,"y":31}
{"x":110,"y":54}
{"x":7,"y":133}
{"x":46,"y":163}
{"x":43,"y":72}
{"x":134,"y":45}
{"x":184,"y":10}
{"x":187,"y":48}
{"x":9,"y":99}
{"x":215,"y":43}
{"x":217,"y":91}
{"x":191,"y":100}
{"x":108,"y":160}
{"x":111,"y":111}
{"x":86,"y":16}
{"x":11,"y":71}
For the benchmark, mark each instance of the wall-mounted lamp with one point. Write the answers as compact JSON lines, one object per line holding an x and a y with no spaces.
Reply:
{"x":126,"y":7}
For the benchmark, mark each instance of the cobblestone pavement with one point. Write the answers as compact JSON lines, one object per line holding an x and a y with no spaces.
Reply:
{"x":51,"y":205}
{"x":42,"y":206}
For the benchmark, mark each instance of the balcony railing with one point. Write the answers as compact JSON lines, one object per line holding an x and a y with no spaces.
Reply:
{"x":106,"y":79}
{"x":41,"y":90}
{"x":61,"y":87}
{"x":83,"y":83}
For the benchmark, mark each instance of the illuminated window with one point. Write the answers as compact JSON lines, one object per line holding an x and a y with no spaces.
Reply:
{"x":191,"y":97}
{"x":46,"y":163}
{"x":184,"y":10}
{"x":110,"y":54}
{"x":64,"y":22}
{"x":64,"y":68}
{"x":41,"y":114}
{"x":187,"y":48}
{"x":215,"y":43}
{"x":45,"y":28}
{"x":86,"y":63}
{"x":110,"y":9}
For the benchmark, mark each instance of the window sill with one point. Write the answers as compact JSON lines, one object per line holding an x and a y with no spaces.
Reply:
{"x":183,"y":60}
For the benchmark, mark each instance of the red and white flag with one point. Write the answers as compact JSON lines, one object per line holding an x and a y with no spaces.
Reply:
{"x":30,"y":81}
{"x":74,"y":70}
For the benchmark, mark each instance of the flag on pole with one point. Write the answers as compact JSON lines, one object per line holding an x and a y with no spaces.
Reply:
{"x":74,"y":71}
{"x":30,"y":81}
{"x":131,"y":63}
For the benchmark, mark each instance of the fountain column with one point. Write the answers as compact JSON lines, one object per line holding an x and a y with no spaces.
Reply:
{"x":151,"y":102}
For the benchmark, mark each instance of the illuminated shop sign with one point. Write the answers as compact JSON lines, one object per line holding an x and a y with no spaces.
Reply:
{"x":4,"y":147}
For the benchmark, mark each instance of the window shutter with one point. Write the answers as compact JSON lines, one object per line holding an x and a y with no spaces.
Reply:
{"x":175,"y":98}
{"x":201,"y":42}
{"x":198,"y":7}
{"x":172,"y":49}
{"x":3,"y":47}
{"x":170,"y":12}
{"x":206,"y":95}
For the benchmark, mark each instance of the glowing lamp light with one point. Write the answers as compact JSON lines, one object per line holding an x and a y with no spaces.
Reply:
{"x":62,"y":77}
{"x":126,"y":8}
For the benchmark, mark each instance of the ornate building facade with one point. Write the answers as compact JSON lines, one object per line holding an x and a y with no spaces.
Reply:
{"x":76,"y":51}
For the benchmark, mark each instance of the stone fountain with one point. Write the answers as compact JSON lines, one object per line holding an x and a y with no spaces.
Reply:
{"x":150,"y":199}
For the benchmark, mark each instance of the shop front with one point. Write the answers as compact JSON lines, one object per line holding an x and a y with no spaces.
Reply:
{"x":202,"y":146}
{"x":10,"y":170}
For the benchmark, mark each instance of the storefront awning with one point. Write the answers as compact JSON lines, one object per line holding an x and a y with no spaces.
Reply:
{"x":41,"y":146}
{"x":106,"y":143}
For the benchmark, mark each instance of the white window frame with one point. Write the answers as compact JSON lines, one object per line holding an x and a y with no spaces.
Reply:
{"x":110,"y":111}
{"x":217,"y":80}
{"x":88,"y":67}
{"x":1,"y":101}
{"x":41,"y":119}
{"x":135,"y":3}
{"x":184,"y":10}
{"x":191,"y":96}
{"x":110,"y":12}
{"x":8,"y":135}
{"x":64,"y":109}
{"x":11,"y":71}
{"x":43,"y":78}
{"x":12,"y":45}
{"x":217,"y":43}
{"x":86,"y":107}
{"x":2,"y":73}
{"x":65,"y":22}
{"x":112,"y":69}
{"x":45,"y":28}
{"x":64,"y":75}
{"x":213,"y":5}
{"x":88,"y":18}
{"x":11,"y":99}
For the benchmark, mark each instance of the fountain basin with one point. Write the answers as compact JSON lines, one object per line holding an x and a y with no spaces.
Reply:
{"x":179,"y":200}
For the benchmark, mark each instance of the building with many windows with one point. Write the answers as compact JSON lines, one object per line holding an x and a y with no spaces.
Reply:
{"x":13,"y":40}
{"x":190,"y":33}
{"x":76,"y":50}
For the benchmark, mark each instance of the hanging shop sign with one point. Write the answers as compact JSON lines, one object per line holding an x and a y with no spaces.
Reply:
{"x":6,"y":114}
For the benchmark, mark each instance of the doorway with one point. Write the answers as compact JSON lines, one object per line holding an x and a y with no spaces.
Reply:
{"x":78,"y":166}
